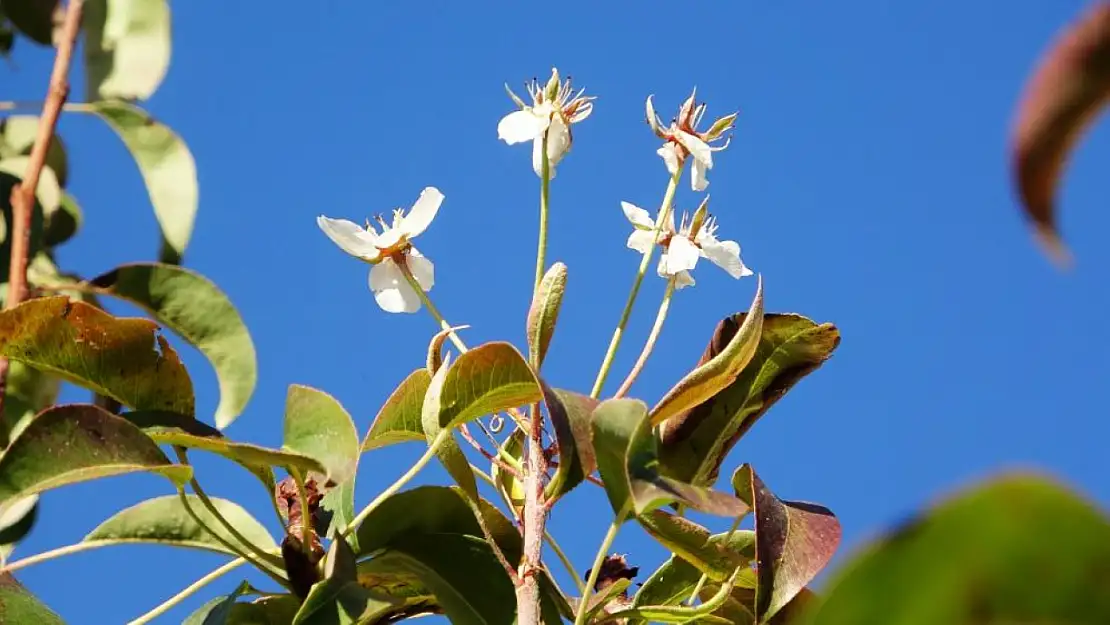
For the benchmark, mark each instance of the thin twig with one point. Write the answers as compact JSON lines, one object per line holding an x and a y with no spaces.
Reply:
{"x":23,"y":194}
{"x":494,"y":458}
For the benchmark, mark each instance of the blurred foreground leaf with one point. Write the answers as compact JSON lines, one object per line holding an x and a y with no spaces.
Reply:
{"x":19,"y":606}
{"x":127,"y":48}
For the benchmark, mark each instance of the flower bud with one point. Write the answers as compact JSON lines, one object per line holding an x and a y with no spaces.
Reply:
{"x":551,"y":91}
{"x":653,"y":119}
{"x":720,"y":127}
{"x":699,"y":217}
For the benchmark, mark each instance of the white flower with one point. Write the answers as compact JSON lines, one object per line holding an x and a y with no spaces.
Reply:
{"x":683,"y":139}
{"x":388,"y":250}
{"x":554,"y":108}
{"x":683,"y":246}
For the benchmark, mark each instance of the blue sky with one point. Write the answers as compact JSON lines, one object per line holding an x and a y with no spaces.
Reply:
{"x":867,"y":182}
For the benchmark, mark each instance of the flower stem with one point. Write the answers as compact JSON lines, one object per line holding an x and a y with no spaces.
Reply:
{"x":53,"y":553}
{"x":170,"y":603}
{"x":424,"y":299}
{"x":595,"y":570}
{"x":649,"y":345}
{"x":545,"y":194}
{"x":433,"y":447}
{"x":618,"y":333}
{"x":306,"y":516}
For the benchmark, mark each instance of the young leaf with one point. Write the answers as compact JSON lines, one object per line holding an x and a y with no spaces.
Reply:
{"x":127,"y":48}
{"x":695,"y":443}
{"x":167,"y":167}
{"x":794,"y":541}
{"x":399,"y":419}
{"x":694,"y":547}
{"x":509,"y":485}
{"x":714,"y":375}
{"x":448,"y":453}
{"x":165,"y":521}
{"x":122,"y":358}
{"x":570,"y":417}
{"x":435,"y":348}
{"x":626,"y":457}
{"x":674,"y":581}
{"x":317,"y":426}
{"x":487,"y":379}
{"x":1016,"y":549}
{"x":1068,"y":89}
{"x":97,"y":444}
{"x":35,"y":18}
{"x":196,"y":309}
{"x":19,"y":606}
{"x":682,"y":614}
{"x":544,"y":313}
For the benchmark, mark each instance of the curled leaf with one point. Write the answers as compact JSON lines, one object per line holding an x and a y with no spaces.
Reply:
{"x":544,"y":312}
{"x":1067,"y":90}
{"x":435,"y":347}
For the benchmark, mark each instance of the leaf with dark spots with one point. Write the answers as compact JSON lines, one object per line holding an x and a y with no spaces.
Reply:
{"x":1070,"y":86}
{"x":76,"y":443}
{"x":122,"y":358}
{"x":695,"y":443}
{"x":794,"y":541}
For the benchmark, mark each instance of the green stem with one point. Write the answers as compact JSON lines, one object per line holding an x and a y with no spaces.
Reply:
{"x":436,"y":443}
{"x":704,"y":577}
{"x":424,"y":299}
{"x":306,"y":516}
{"x":595,"y":570}
{"x":545,"y":194}
{"x":168,"y":604}
{"x":618,"y":333}
{"x":53,"y":553}
{"x":649,"y":345}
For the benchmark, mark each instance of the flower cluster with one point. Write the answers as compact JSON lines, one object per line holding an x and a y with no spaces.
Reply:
{"x":547,"y":120}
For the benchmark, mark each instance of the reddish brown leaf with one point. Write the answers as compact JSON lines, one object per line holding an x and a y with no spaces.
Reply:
{"x":1069,"y":87}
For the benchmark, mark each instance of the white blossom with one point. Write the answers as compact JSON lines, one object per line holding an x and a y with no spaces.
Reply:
{"x":385,"y":251}
{"x":682,"y":140}
{"x":553,"y":109}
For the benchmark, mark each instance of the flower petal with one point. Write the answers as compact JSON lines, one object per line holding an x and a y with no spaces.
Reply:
{"x":683,"y":279}
{"x":422,"y":269}
{"x":558,"y":140}
{"x":423,"y":212}
{"x":670,"y":157}
{"x":391,"y":291}
{"x":520,"y":126}
{"x":638,"y":216}
{"x":390,"y":237}
{"x":350,"y":237}
{"x":641,"y":241}
{"x":698,"y":181}
{"x":582,"y":111}
{"x":537,"y":160}
{"x":682,"y":255}
{"x":726,"y":255}
{"x":696,"y":147}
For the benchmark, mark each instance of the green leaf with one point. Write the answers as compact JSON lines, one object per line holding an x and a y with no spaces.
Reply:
{"x":28,"y":392}
{"x":794,"y":541}
{"x":570,"y":418}
{"x":127,"y":48}
{"x":17,"y":519}
{"x":695,"y":443}
{"x":35,"y":18}
{"x":694,"y":548}
{"x":338,"y":506}
{"x":448,"y":451}
{"x":1067,"y":91}
{"x":62,"y":223}
{"x":509,"y":485}
{"x":683,"y":614}
{"x":218,"y":610}
{"x":1016,"y":549}
{"x":165,"y":520}
{"x":460,"y":571}
{"x":487,"y":379}
{"x":125,"y":359}
{"x":196,"y":309}
{"x":331,"y":602}
{"x":96,"y":443}
{"x":716,"y":373}
{"x":17,"y":138}
{"x":170,"y":429}
{"x":317,"y":426}
{"x":399,"y":419}
{"x":7,"y":183}
{"x":626,"y":457}
{"x":48,"y":193}
{"x":167,"y":167}
{"x":544,"y":313}
{"x":19,"y":606}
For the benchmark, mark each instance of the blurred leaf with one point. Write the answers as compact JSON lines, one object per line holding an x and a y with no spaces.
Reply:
{"x":570,"y":418}
{"x":332,"y":602}
{"x":17,"y":519}
{"x":544,"y":313}
{"x":196,"y":309}
{"x":487,"y":379}
{"x":317,"y":426}
{"x":17,"y":138}
{"x":626,"y":457}
{"x":399,"y":419}
{"x":695,"y":443}
{"x":48,"y":193}
{"x":448,"y":452}
{"x":1016,"y":549}
{"x":268,"y":610}
{"x":7,"y":35}
{"x":127,"y":48}
{"x":19,"y":606}
{"x":460,"y":571}
{"x":714,"y":374}
{"x":35,"y":18}
{"x":218,"y":610}
{"x":164,"y":520}
{"x":510,"y":487}
{"x":171,"y":429}
{"x":96,"y":444}
{"x":7,"y":182}
{"x":693,"y":547}
{"x":63,"y":222}
{"x":167,"y":166}
{"x":1068,"y":89}
{"x":794,"y":541}
{"x":122,"y":358}
{"x":28,"y":392}
{"x":684,"y":614}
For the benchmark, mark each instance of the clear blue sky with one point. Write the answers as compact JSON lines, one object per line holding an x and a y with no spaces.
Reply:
{"x":867,"y":182}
